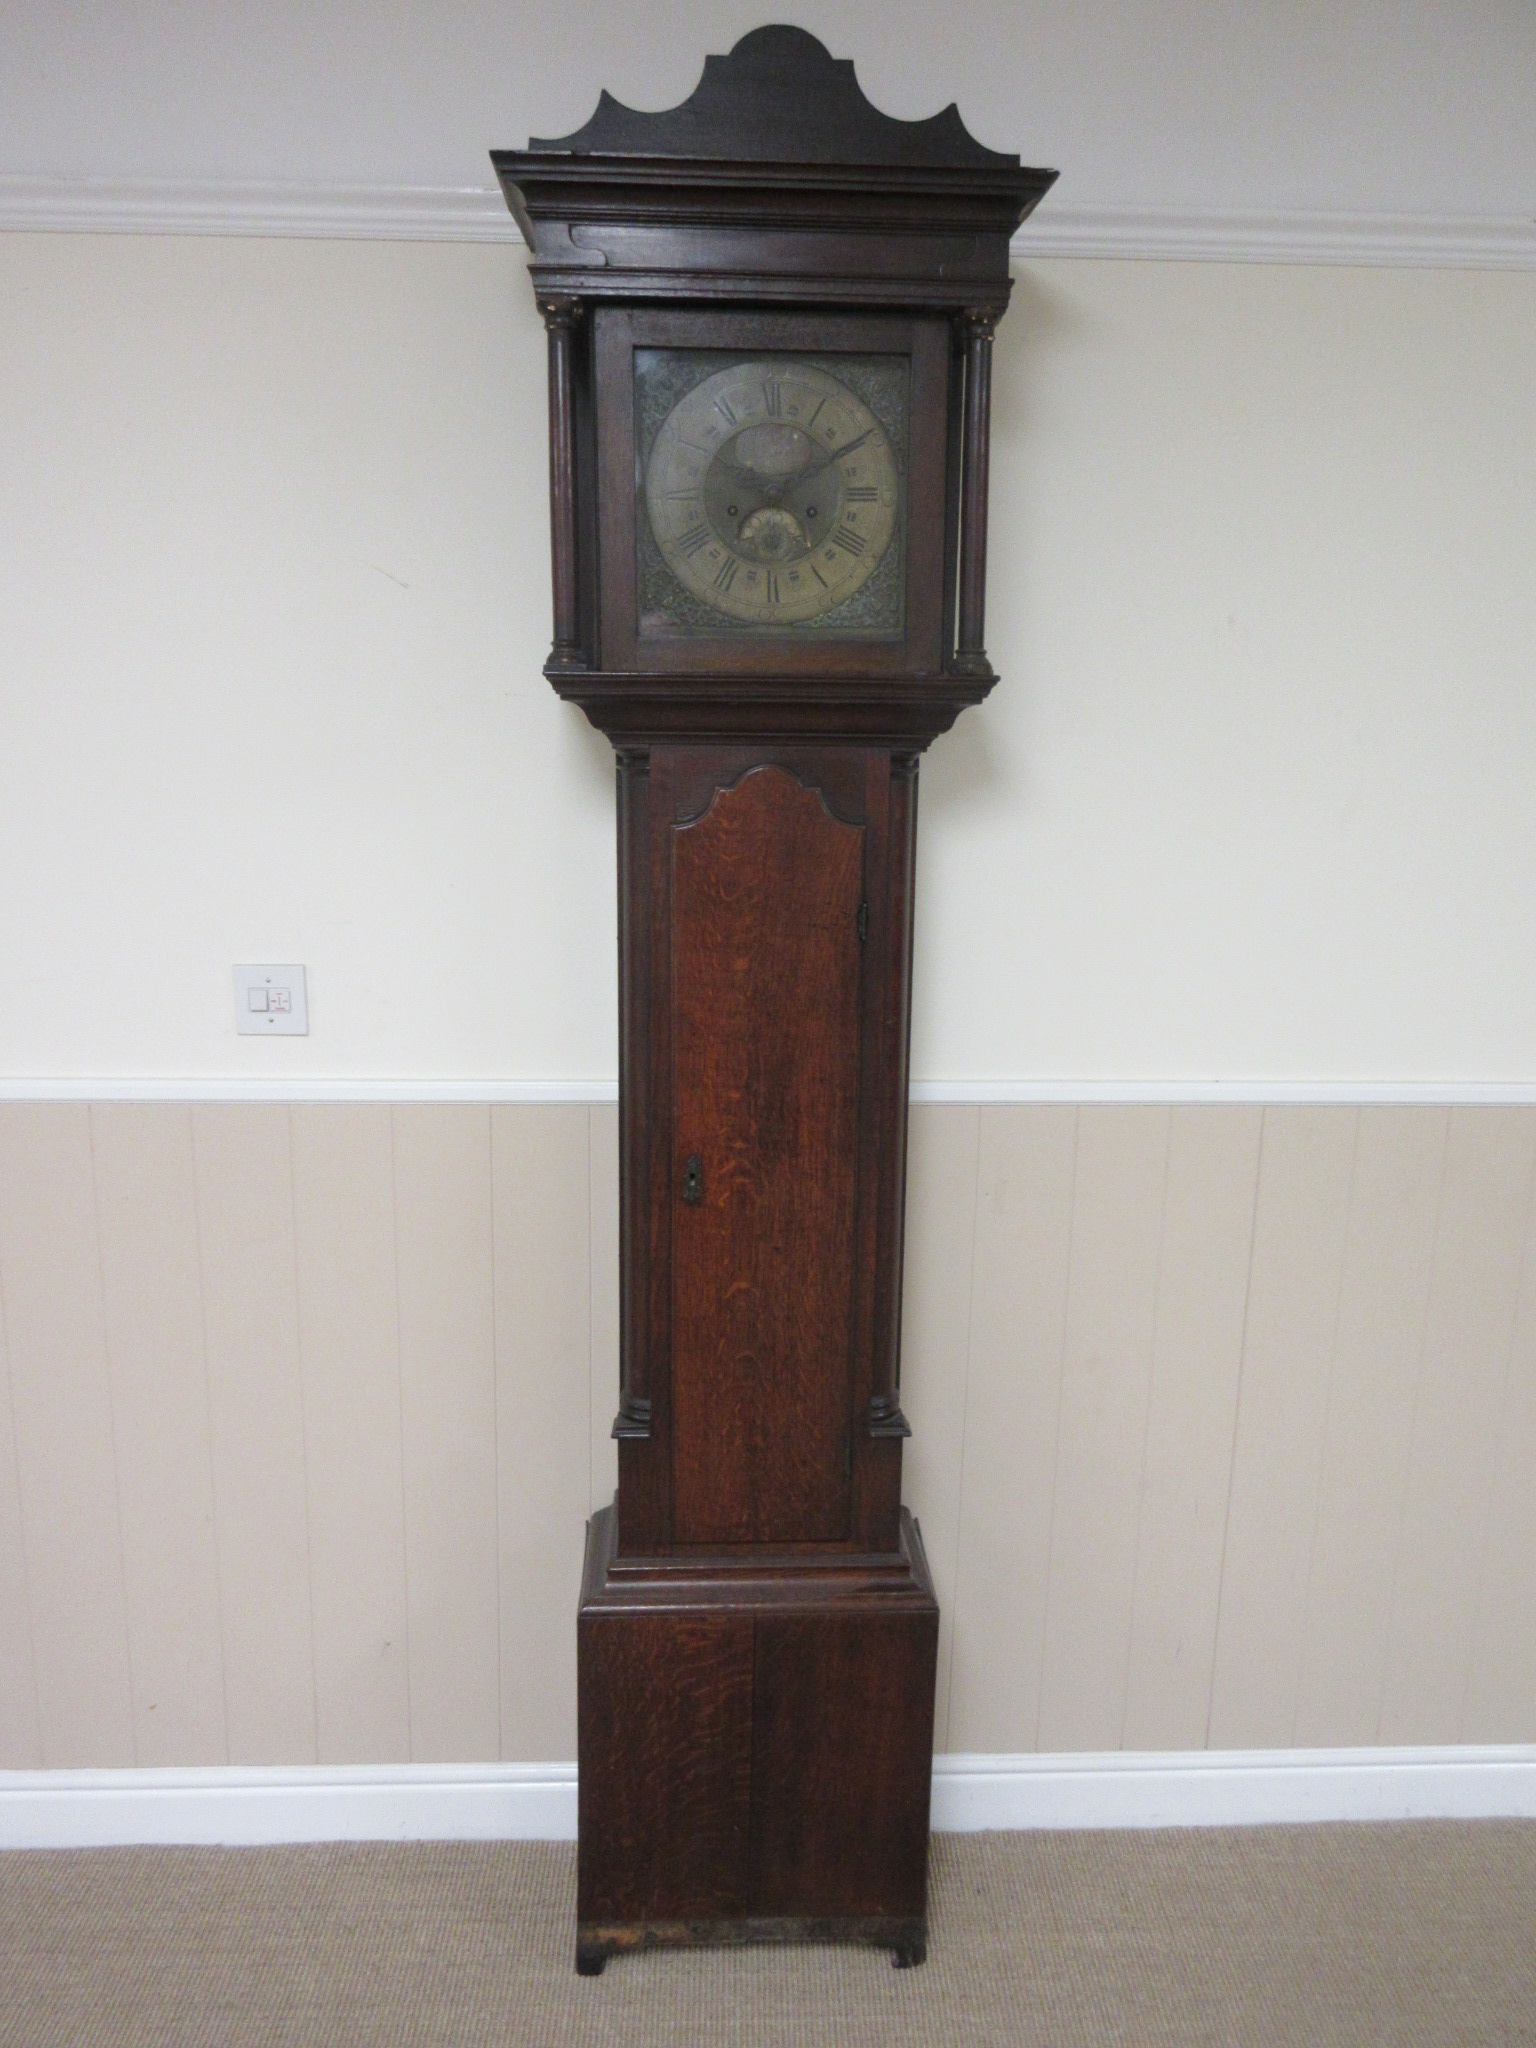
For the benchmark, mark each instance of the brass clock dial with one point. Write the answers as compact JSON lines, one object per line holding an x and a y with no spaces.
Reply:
{"x":773,"y":492}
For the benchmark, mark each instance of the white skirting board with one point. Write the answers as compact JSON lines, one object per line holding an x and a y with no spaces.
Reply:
{"x":537,"y":1802}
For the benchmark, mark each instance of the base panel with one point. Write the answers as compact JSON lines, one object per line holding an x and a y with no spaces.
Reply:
{"x":755,"y":1748}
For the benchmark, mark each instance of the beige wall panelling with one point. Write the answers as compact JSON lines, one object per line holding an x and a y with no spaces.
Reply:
{"x":1197,"y":1349}
{"x":50,"y":1270}
{"x":603,"y":1141}
{"x":256,"y":1424}
{"x":443,"y":1258}
{"x":1023,"y":1237}
{"x":21,"y":1740}
{"x":540,"y":1162}
{"x":146,"y":1206}
{"x":1018,"y":1319}
{"x":1484,"y":1213}
{"x":942,"y":1149}
{"x":1501,"y":1683}
{"x":344,"y":1233}
{"x":1383,"y":1296}
{"x":1305,"y":1170}
{"x":1117,"y":1217}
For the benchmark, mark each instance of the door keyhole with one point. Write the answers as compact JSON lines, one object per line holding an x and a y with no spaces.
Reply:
{"x":693,"y":1180}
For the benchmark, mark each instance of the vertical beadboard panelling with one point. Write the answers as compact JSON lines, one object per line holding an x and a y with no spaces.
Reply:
{"x":1117,"y":1214}
{"x":1197,"y":1347}
{"x":344,"y":1231}
{"x":1305,"y":1170}
{"x":21,"y":1738}
{"x":1023,"y":1235}
{"x":50,"y":1270}
{"x":256,"y":1423}
{"x":935,"y":1336}
{"x":542,"y":1204}
{"x":1484,"y":1212}
{"x":146,"y":1206}
{"x":1383,"y":1295}
{"x":448,"y":1421}
{"x":1501,"y":1682}
{"x":327,"y":1269}
{"x":603,"y":1153}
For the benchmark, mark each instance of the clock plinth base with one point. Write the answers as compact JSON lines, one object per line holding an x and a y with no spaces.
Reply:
{"x":756,"y":1747}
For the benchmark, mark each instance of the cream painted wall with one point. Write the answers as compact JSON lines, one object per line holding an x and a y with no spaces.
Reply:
{"x":1255,"y":799}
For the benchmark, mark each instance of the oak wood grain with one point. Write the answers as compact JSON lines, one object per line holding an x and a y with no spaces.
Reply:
{"x":766,"y":982}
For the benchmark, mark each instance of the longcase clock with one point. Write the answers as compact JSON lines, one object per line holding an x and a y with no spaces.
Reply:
{"x":770,"y":316}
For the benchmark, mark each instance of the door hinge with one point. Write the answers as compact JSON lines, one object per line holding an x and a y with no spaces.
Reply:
{"x":863,"y":921}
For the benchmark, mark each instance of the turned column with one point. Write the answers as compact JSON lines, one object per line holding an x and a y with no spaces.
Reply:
{"x":971,"y":653}
{"x":560,"y":318}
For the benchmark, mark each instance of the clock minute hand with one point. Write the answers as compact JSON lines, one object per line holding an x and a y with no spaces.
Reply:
{"x":837,"y":454}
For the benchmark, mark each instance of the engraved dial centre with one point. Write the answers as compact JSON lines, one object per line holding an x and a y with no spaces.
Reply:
{"x":772,"y":491}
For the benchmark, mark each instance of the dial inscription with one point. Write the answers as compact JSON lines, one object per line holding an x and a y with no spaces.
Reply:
{"x":772,"y":491}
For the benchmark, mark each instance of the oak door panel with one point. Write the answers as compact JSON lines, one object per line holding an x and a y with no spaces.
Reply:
{"x":767,"y":888}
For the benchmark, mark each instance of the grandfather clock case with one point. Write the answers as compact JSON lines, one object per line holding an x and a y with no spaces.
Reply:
{"x":770,"y":315}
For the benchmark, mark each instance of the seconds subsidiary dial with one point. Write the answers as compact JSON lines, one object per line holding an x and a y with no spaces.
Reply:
{"x":773,"y":492}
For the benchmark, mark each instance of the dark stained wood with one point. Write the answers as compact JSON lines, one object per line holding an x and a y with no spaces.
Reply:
{"x":972,"y":653}
{"x":766,"y":980}
{"x":822,"y":1832}
{"x":879,"y":1493}
{"x":880,"y":711}
{"x":757,"y":1626}
{"x":641,"y":1425}
{"x":664,"y":1729}
{"x":560,"y":318}
{"x":842,"y":1748}
{"x":780,"y":97}
{"x":775,"y":181}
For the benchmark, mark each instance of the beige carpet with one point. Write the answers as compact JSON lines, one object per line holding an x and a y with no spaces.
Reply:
{"x":1422,"y":1933}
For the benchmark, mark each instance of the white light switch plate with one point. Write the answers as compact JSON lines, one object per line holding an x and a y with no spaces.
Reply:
{"x":271,"y":1002}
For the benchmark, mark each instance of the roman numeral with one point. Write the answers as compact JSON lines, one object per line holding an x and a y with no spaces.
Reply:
{"x":773,"y":398}
{"x":819,"y":577}
{"x":812,"y":420}
{"x":691,"y":541}
{"x":773,"y":586}
{"x":725,"y":575}
{"x":722,"y":408}
{"x":861,"y":494}
{"x":845,"y":537}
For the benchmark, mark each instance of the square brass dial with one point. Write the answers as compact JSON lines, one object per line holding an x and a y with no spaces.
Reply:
{"x":770,"y":493}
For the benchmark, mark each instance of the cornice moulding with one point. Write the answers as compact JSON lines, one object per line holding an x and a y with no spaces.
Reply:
{"x":432,"y":213}
{"x":1378,"y":240}
{"x":311,"y":212}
